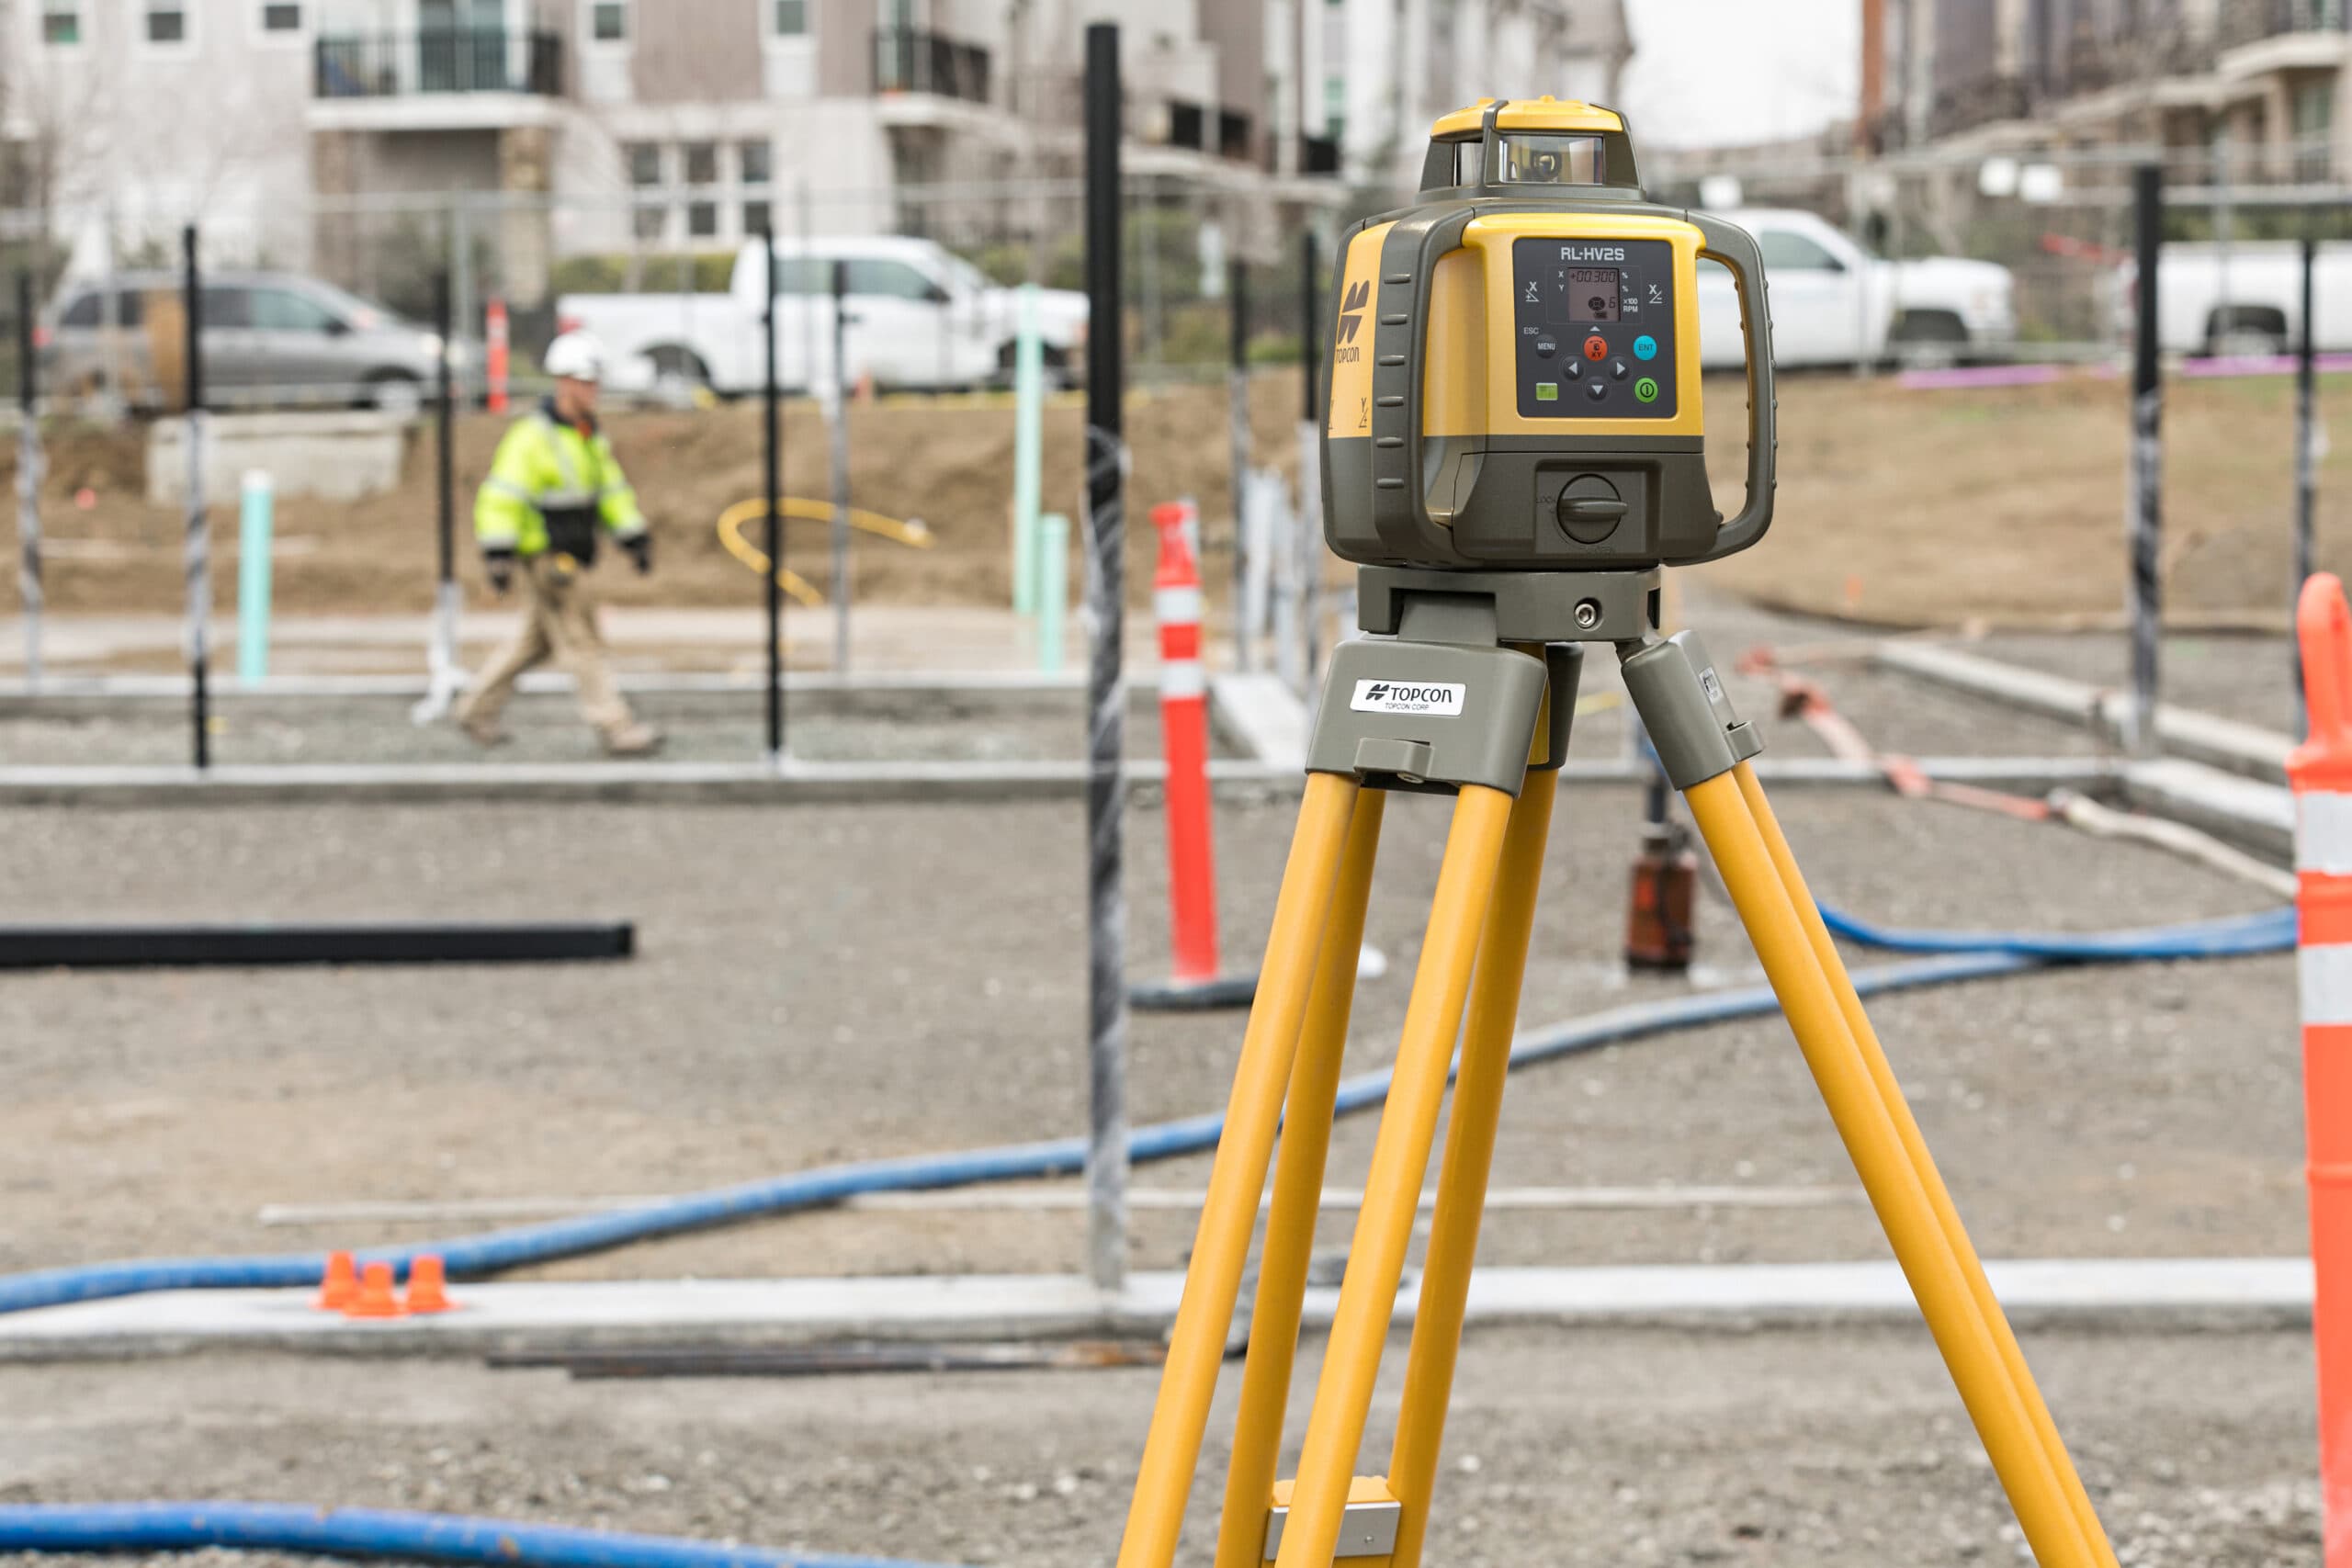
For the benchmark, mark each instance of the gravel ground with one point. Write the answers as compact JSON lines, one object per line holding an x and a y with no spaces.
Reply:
{"x":2242,"y":675}
{"x":1592,"y":1450}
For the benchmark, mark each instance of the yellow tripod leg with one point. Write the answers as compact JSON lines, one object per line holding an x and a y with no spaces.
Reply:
{"x":1400,"y":1155}
{"x":1888,"y":1176}
{"x":1469,"y":1155}
{"x":1906,"y":1127}
{"x":1297,"y":1201}
{"x":1196,"y":1346}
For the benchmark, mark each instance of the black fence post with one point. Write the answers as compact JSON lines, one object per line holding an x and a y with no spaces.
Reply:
{"x":2306,"y":462}
{"x":198,"y":556}
{"x":29,"y":476}
{"x":1106,"y":1154}
{"x":772,"y":451}
{"x":1236,"y":290}
{"x":2146,"y":594}
{"x":444,"y":469}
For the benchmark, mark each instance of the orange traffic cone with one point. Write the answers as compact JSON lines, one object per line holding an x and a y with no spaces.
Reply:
{"x":340,"y":1285}
{"x":375,"y":1298}
{"x":427,"y":1286}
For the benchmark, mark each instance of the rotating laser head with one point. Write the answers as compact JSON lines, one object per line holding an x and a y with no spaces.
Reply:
{"x":1513,"y":379}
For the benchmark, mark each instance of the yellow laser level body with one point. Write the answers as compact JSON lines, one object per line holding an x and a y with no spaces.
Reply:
{"x":1513,"y":377}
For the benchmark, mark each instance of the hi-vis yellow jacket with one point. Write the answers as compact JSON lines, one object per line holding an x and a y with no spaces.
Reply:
{"x":554,"y":486}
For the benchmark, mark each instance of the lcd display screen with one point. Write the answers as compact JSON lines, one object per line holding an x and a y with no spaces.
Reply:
{"x":1591,"y":293}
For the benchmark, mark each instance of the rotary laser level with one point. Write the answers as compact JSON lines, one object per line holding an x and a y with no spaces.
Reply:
{"x":1513,"y":453}
{"x":1525,"y":392}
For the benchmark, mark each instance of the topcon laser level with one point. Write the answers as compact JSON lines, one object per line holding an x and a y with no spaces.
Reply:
{"x":1513,"y":453}
{"x":1514,"y":370}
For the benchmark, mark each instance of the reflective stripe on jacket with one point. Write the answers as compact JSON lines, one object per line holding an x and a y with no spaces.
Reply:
{"x":547,"y":469}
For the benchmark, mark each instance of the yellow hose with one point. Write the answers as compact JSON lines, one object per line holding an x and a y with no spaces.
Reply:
{"x":799,"y":509}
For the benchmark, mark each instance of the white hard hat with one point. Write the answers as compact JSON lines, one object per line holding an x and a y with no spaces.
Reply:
{"x":576,"y":356}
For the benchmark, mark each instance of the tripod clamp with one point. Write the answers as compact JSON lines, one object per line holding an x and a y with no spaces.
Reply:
{"x":1466,"y":667}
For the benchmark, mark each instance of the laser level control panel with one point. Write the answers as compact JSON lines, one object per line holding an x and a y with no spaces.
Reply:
{"x":1595,"y":328}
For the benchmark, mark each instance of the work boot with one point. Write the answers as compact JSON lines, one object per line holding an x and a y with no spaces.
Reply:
{"x":483,"y":732}
{"x":632,"y":739}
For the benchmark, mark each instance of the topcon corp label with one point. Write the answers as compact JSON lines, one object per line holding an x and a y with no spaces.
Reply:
{"x":1409,"y":697}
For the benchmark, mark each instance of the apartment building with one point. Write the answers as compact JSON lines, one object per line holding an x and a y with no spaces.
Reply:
{"x":589,"y":125}
{"x":2263,"y":80}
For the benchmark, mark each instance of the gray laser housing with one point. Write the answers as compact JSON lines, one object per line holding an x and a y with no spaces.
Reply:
{"x":1396,"y":497}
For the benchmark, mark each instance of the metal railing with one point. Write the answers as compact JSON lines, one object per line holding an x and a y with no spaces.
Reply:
{"x":911,"y":59}
{"x":451,"y":60}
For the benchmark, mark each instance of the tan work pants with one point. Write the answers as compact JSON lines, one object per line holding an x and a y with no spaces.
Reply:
{"x":558,"y":622}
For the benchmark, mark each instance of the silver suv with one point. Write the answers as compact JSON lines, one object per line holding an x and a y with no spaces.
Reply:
{"x":271,"y":339}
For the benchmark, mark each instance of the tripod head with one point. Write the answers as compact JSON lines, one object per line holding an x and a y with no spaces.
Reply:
{"x":1513,"y":381}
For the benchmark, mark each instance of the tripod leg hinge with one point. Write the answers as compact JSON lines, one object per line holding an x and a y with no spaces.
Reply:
{"x":1368,"y":1528}
{"x":1684,"y":708}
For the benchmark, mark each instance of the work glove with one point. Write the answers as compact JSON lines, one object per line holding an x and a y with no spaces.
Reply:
{"x":640,"y":550}
{"x":498,"y":567}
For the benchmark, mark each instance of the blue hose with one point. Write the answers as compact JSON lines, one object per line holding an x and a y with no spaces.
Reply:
{"x":1963,"y":957}
{"x":374,"y":1532}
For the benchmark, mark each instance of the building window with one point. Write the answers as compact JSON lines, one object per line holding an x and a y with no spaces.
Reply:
{"x":649,"y":223}
{"x":757,"y":161}
{"x":702,"y":162}
{"x":644,"y":163}
{"x":757,"y":216}
{"x":286,"y":18}
{"x":60,"y":22}
{"x":702,"y":218}
{"x":608,"y":20}
{"x":790,"y":18}
{"x":167,"y":21}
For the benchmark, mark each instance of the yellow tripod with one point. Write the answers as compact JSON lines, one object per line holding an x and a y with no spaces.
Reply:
{"x":1472,"y":697}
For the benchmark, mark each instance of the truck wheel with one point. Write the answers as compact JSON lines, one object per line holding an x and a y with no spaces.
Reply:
{"x":1933,"y":338}
{"x":2256,"y":330}
{"x":679,"y":374}
{"x":394,"y":392}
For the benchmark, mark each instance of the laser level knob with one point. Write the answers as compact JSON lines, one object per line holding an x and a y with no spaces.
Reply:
{"x":1589,"y":509}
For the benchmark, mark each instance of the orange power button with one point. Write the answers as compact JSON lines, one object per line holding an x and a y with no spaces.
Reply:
{"x":1596,"y":349}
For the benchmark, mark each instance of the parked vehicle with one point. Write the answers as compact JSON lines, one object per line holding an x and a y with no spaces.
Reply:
{"x":2243,"y":297}
{"x":270,"y":339}
{"x":918,"y":316}
{"x":1835,"y":303}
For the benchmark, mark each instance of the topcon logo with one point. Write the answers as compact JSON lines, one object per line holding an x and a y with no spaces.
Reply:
{"x":1344,"y":348}
{"x":1401,"y":697}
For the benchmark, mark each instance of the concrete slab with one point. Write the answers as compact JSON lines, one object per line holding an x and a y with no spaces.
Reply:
{"x":2225,"y":743}
{"x":2228,"y":806}
{"x":554,"y":1316}
{"x":806,"y":782}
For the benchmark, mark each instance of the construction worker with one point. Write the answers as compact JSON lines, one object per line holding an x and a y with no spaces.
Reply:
{"x":553,"y":488}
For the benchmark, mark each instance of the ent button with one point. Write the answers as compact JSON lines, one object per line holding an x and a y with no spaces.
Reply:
{"x":1646,"y":347}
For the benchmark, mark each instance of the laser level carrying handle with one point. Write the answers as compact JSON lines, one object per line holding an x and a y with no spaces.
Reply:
{"x":1736,"y":248}
{"x":1409,"y":258}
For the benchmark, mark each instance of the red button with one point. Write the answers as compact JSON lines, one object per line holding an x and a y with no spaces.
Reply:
{"x":1596,"y":349}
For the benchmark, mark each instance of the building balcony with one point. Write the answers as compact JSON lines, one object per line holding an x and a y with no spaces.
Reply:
{"x":912,"y":60}
{"x":2241,"y":22}
{"x":445,"y":62}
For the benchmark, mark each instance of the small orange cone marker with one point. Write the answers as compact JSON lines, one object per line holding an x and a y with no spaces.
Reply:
{"x":341,"y":1286}
{"x":427,"y":1287}
{"x":375,"y":1298}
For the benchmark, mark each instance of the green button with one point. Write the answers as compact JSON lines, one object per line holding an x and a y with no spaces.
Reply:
{"x":1547,"y":391}
{"x":1646,"y":389}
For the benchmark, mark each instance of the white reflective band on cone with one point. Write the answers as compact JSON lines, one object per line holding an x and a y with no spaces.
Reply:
{"x":1177,"y":606}
{"x":1182,"y":677}
{"x":2327,"y":976}
{"x":2324,"y":832}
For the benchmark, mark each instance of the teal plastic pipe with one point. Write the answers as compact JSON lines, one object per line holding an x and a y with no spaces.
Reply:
{"x":1028,"y":421}
{"x":253,"y":577}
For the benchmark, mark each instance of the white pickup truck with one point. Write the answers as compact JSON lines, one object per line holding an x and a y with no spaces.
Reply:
{"x":918,"y":316}
{"x":1835,"y":303}
{"x":2243,"y":298}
